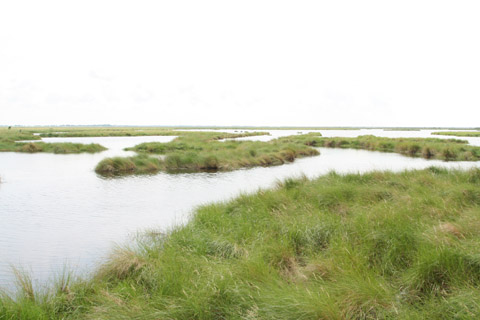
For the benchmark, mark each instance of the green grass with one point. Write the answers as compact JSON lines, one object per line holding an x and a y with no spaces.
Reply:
{"x":61,"y":148}
{"x":104,"y":132}
{"x":122,"y":132}
{"x":374,"y":246}
{"x":8,"y":138}
{"x":72,"y":131}
{"x":129,"y":165}
{"x":428,"y":148}
{"x":458,"y":133}
{"x":203,"y":151}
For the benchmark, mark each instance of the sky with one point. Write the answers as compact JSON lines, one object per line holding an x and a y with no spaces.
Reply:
{"x":234,"y":63}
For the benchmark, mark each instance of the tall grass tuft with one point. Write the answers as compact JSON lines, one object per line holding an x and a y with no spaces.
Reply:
{"x":24,"y":284}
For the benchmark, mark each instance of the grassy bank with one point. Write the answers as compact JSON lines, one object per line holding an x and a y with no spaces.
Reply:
{"x":203,"y":151}
{"x":8,"y":138}
{"x":378,"y":245}
{"x":59,"y":148}
{"x":71,"y":131}
{"x":458,"y":133}
{"x":428,"y":148}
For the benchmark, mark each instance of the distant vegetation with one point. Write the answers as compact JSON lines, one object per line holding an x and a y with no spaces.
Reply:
{"x":8,"y":138}
{"x":203,"y":151}
{"x":64,"y":147}
{"x":458,"y":133}
{"x":401,"y":129}
{"x":372,"y":246}
{"x":106,"y":132}
{"x":428,"y":148}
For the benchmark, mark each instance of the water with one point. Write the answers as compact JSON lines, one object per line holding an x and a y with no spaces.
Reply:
{"x":56,"y":211}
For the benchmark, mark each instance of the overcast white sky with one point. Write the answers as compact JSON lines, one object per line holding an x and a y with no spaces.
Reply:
{"x":295,"y":63}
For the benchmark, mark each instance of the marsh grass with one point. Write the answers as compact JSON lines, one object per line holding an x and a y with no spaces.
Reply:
{"x":24,"y":284}
{"x":8,"y":138}
{"x":59,"y":148}
{"x":209,"y":151}
{"x":109,"y":131}
{"x":428,"y":148}
{"x":376,"y":245}
{"x":204,"y":151}
{"x":458,"y":133}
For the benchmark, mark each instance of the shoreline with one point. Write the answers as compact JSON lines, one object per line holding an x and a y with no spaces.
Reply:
{"x":321,"y":236}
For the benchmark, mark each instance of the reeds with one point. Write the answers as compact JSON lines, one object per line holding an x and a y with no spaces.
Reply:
{"x":120,"y":166}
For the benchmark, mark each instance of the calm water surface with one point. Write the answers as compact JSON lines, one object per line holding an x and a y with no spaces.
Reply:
{"x":55,"y":211}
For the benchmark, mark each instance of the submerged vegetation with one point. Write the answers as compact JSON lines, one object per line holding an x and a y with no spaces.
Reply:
{"x":204,"y":151}
{"x":9,"y":138}
{"x":377,"y":245}
{"x":428,"y":148}
{"x":458,"y":133}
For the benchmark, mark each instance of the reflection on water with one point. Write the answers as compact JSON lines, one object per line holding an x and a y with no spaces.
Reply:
{"x":55,"y":210}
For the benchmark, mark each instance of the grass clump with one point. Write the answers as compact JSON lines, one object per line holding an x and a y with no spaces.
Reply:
{"x":59,"y":148}
{"x":206,"y":151}
{"x":137,"y":164}
{"x":380,"y":245}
